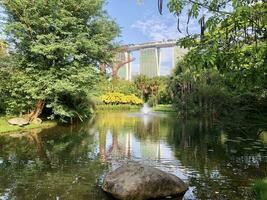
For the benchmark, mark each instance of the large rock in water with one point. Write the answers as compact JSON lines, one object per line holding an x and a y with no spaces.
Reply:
{"x":19,"y":121}
{"x":140,"y":182}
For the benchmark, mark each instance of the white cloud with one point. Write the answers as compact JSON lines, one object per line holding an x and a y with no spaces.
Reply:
{"x":157,"y":28}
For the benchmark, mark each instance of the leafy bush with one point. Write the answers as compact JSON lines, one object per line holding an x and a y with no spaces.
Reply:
{"x":153,"y":90}
{"x":115,"y":85}
{"x":260,"y":189}
{"x":119,"y":98}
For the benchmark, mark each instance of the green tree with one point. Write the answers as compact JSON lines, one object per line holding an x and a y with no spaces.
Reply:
{"x":3,"y":59}
{"x":58,"y":44}
{"x":153,"y":90}
{"x":232,"y":43}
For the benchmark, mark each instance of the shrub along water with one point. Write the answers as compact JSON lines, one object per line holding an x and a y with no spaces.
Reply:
{"x":153,"y":90}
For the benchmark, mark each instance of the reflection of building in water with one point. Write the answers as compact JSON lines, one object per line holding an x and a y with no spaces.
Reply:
{"x":114,"y":144}
{"x":150,"y":150}
{"x":127,"y":145}
{"x":128,"y":148}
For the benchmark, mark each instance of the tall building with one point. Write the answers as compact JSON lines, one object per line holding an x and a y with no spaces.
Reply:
{"x":150,"y":62}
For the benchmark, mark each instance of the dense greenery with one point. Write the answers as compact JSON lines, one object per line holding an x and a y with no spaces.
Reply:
{"x":226,"y":67}
{"x":115,"y":85}
{"x":260,"y":189}
{"x":57,"y":46}
{"x":153,"y":90}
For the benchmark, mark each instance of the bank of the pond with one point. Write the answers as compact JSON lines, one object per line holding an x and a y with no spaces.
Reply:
{"x":5,"y":127}
{"x":117,"y":107}
{"x":163,"y":108}
{"x":122,"y":107}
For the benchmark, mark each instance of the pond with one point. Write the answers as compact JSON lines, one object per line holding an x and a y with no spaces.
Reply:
{"x":69,"y":162}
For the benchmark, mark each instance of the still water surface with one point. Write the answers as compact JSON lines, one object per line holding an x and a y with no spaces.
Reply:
{"x":66,"y":163}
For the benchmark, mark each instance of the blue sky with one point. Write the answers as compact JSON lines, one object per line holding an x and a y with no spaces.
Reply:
{"x":142,"y":23}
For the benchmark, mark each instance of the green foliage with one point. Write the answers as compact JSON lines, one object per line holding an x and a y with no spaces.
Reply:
{"x":198,"y":91}
{"x":260,"y":189}
{"x":58,"y":44}
{"x":164,"y":108}
{"x":153,"y":90}
{"x":226,"y":63}
{"x":5,"y":63}
{"x":116,"y":85}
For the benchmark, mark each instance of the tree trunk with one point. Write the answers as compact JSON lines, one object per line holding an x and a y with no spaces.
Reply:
{"x":37,"y":111}
{"x":102,"y":68}
{"x":200,"y":103}
{"x":206,"y":104}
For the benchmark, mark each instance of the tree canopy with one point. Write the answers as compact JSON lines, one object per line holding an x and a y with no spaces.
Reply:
{"x":231,"y":43}
{"x":57,"y":45}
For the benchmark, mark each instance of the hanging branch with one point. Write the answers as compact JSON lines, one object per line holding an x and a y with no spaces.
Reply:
{"x":202,"y":26}
{"x":160,"y":6}
{"x":178,"y":25}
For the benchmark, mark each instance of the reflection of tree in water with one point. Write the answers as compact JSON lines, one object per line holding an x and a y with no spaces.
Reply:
{"x":152,"y":128}
{"x":49,"y":164}
{"x":120,"y":146}
{"x":119,"y":126}
{"x":121,"y":130}
{"x":214,"y":163}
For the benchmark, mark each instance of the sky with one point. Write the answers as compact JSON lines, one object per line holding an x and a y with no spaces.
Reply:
{"x":141,"y":23}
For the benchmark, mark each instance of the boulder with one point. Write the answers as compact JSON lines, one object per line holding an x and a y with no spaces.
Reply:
{"x":140,"y":182}
{"x":19,"y":121}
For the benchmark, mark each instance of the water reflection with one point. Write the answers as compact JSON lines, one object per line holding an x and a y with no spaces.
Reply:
{"x":69,"y":162}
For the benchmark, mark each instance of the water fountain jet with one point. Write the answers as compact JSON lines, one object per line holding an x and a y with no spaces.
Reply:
{"x":145,"y":110}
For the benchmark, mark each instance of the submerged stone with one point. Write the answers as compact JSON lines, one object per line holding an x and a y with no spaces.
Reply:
{"x":140,"y":182}
{"x":19,"y":121}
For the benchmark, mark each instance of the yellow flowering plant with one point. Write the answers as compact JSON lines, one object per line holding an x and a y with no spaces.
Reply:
{"x":119,"y":98}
